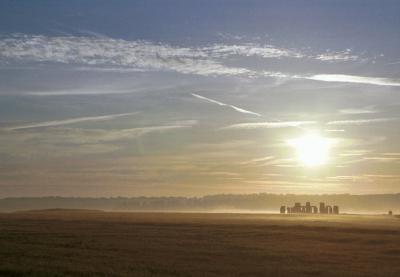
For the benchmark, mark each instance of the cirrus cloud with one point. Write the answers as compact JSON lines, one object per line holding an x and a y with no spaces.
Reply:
{"x":117,"y":55}
{"x":269,"y":125}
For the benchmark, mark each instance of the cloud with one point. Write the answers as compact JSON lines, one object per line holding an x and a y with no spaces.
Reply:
{"x":92,"y":136}
{"x":98,"y":52}
{"x":354,"y":79}
{"x":334,"y":130}
{"x":355,"y":153}
{"x":258,"y":160}
{"x":351,"y":178}
{"x":364,"y":158}
{"x":331,"y":56}
{"x":271,"y":51}
{"x":98,"y":49}
{"x":391,"y":154}
{"x":103,"y":135}
{"x":269,"y":125}
{"x":107,"y":52}
{"x":382,"y":159}
{"x":365,"y":110}
{"x":393,"y":63}
{"x":359,"y":121}
{"x":80,"y":92}
{"x":68,"y":121}
{"x":383,"y":176}
{"x":276,"y":74}
{"x":227,"y":105}
{"x":251,"y":49}
{"x":61,"y":141}
{"x":101,"y":90}
{"x":235,"y":144}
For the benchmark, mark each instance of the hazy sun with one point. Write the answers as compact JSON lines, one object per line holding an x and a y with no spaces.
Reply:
{"x":312,"y":149}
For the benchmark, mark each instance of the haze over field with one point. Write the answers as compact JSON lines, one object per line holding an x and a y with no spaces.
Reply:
{"x":224,"y":203}
{"x":185,"y":98}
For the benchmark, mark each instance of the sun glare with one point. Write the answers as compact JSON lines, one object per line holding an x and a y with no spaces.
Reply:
{"x":312,"y":149}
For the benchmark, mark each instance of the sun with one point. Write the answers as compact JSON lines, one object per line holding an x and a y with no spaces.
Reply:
{"x":312,"y":149}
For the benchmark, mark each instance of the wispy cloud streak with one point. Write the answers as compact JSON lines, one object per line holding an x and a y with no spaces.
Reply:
{"x":100,"y":53}
{"x":117,"y":55}
{"x":67,"y":121}
{"x":359,"y":121}
{"x":227,"y":105}
{"x":269,"y":125}
{"x":330,"y":56}
{"x":365,"y":110}
{"x":107,"y":52}
{"x":342,"y":78}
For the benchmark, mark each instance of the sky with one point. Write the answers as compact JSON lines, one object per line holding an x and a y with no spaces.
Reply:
{"x":190,"y":98}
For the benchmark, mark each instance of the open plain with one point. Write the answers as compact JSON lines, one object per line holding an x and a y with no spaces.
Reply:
{"x":95,"y":243}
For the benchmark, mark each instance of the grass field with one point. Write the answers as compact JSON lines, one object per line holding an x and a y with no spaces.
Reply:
{"x":93,"y":243}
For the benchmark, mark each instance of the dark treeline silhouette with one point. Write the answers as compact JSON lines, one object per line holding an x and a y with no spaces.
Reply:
{"x":378,"y":203}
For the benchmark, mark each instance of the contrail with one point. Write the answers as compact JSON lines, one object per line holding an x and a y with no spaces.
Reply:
{"x":68,"y":121}
{"x":277,"y":121}
{"x":227,"y":105}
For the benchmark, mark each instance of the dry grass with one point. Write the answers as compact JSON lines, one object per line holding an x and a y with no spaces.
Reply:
{"x":91,"y":243}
